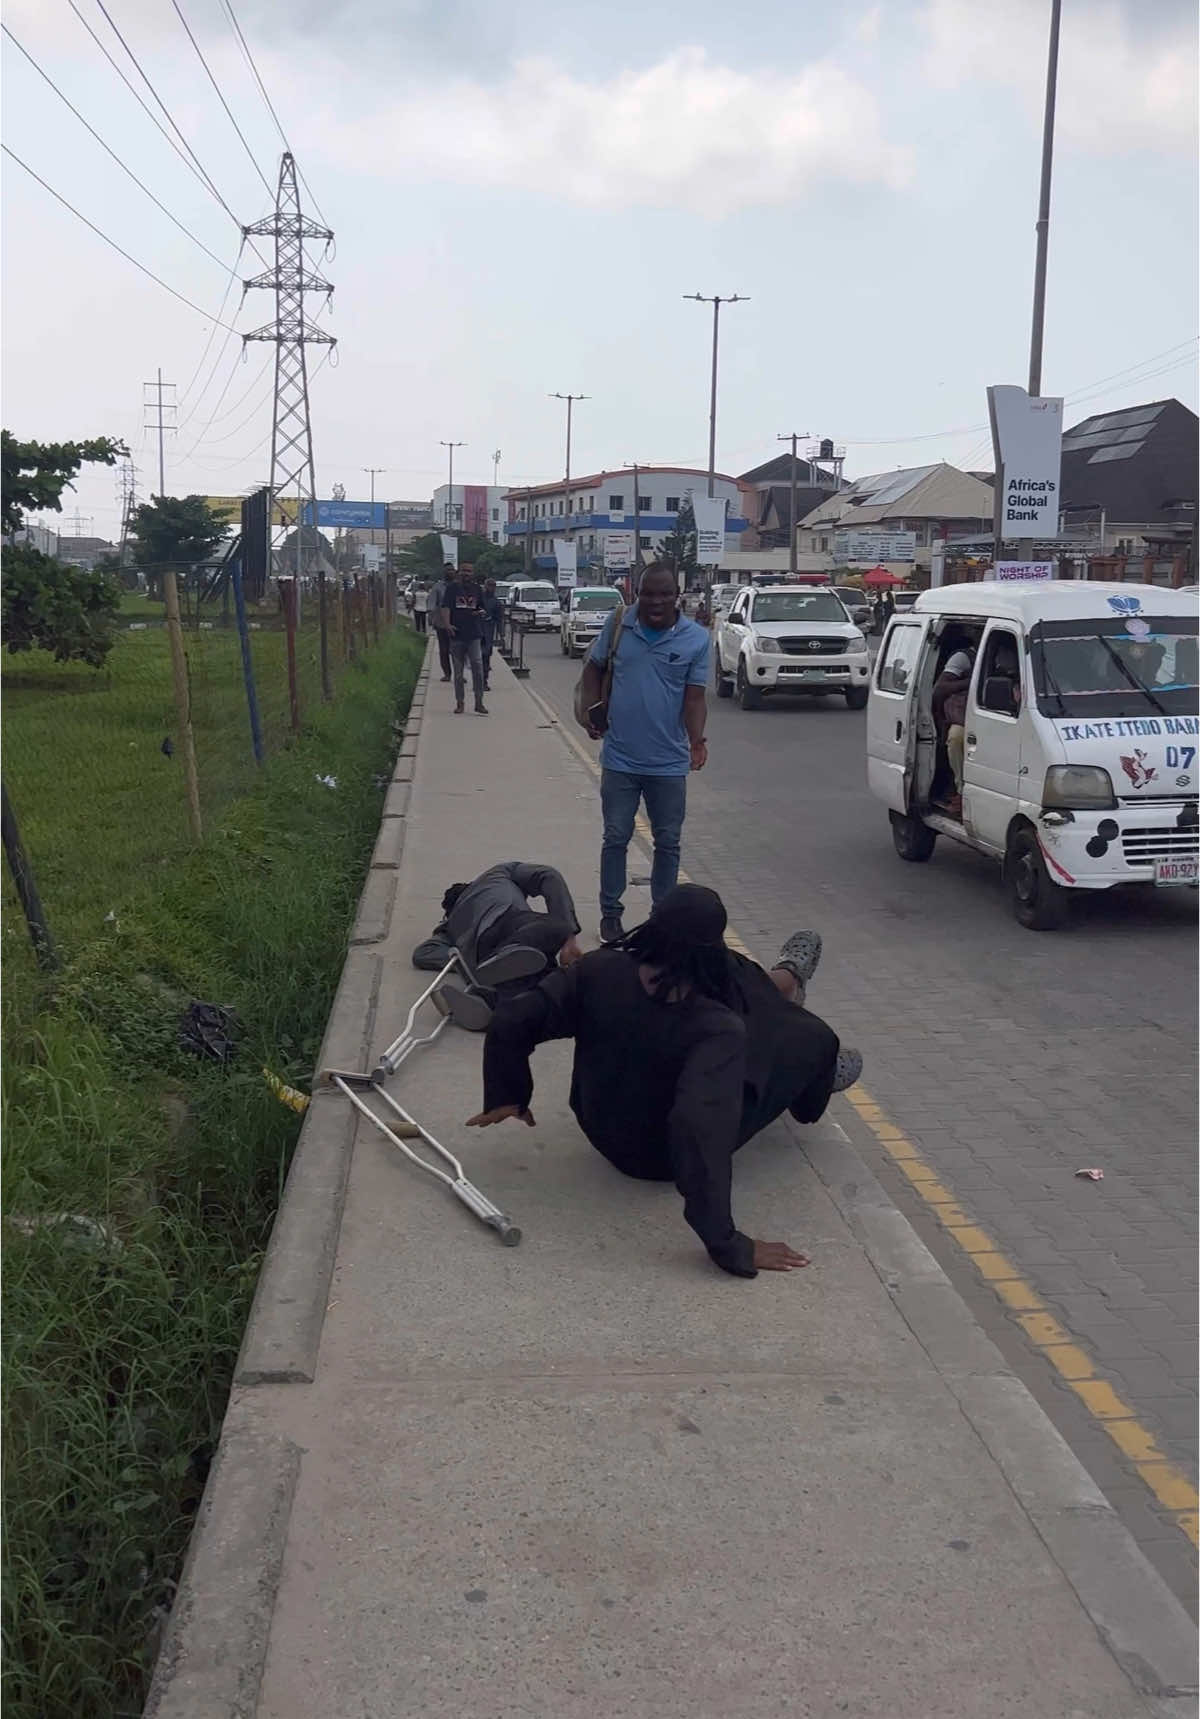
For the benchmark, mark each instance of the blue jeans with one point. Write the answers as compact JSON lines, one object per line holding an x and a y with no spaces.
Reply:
{"x":666,"y":801}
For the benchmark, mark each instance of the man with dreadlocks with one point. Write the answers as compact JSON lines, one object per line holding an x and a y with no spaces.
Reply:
{"x":683,"y":1051}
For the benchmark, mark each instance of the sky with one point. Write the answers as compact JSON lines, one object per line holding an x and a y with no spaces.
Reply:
{"x":523,"y":191}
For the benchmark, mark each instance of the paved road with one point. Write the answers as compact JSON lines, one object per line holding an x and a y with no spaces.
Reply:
{"x":1010,"y":1058}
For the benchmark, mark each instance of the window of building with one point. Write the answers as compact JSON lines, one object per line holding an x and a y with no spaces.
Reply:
{"x":591,"y":504}
{"x":495,"y":537}
{"x":824,"y":546}
{"x":616,"y":504}
{"x":643,"y":504}
{"x":495,"y":513}
{"x":643,"y":543}
{"x":672,"y":504}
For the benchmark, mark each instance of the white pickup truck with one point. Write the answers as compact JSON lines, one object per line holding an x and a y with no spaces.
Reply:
{"x":586,"y":612}
{"x":781,"y":638}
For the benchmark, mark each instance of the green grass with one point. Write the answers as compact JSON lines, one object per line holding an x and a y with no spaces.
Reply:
{"x":123,"y":1322}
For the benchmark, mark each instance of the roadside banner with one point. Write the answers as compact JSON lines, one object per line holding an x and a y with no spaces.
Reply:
{"x":709,"y":511}
{"x":618,"y":551}
{"x":1013,"y":570}
{"x":449,"y":550}
{"x":565,"y":558}
{"x":1027,"y":443}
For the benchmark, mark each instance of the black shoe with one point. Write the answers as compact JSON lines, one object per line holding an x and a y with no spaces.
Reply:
{"x":481,"y":708}
{"x":611,"y":929}
{"x":458,"y":709}
{"x":446,"y":677}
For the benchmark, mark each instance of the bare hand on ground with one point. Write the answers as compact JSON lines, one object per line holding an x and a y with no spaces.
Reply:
{"x":570,"y":952}
{"x":502,"y":1113}
{"x":778,"y":1256}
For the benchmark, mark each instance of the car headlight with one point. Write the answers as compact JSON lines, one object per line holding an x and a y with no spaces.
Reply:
{"x":765,"y":645}
{"x":857,"y":638}
{"x":1078,"y":787}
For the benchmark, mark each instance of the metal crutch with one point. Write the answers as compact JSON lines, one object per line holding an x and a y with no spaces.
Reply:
{"x":408,"y":1039}
{"x":466,"y":1191}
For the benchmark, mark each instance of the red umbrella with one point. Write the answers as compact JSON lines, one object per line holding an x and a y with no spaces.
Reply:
{"x":881,"y":576}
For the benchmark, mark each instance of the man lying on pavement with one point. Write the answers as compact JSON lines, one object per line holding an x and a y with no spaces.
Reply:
{"x":491,"y":917}
{"x":684,"y":1050}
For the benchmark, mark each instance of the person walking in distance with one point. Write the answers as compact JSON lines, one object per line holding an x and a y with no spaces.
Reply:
{"x":653,"y":728}
{"x":466,"y":638}
{"x":420,"y":607}
{"x":440,"y":618}
{"x":492,"y":611}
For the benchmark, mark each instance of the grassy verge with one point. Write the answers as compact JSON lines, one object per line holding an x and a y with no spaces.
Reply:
{"x":140,"y":1183}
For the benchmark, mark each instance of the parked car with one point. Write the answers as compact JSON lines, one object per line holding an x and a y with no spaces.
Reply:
{"x":538,"y":602}
{"x":858,"y":604}
{"x":1079,"y":745}
{"x":788,"y":638}
{"x":720,"y":597}
{"x":585,"y":613}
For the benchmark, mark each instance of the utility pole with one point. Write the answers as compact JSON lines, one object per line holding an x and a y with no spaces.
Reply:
{"x":127,"y":496}
{"x":372,"y":472}
{"x":450,"y":498}
{"x":637,"y":521}
{"x":716,"y":302}
{"x":152,"y":400}
{"x":292,"y":333}
{"x":496,"y":469}
{"x":570,"y":399}
{"x":1043,"y":221}
{"x":528,"y":529}
{"x":793,"y":438}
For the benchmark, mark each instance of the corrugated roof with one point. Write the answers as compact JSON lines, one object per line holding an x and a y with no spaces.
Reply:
{"x":915,"y":492}
{"x":1138,"y":464}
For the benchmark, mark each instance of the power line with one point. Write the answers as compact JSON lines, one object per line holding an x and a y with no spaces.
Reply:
{"x":245,"y":46}
{"x":45,"y":76}
{"x":191,"y":383}
{"x":221,"y":97}
{"x":158,"y":281}
{"x":212,"y":376}
{"x":237,"y":428}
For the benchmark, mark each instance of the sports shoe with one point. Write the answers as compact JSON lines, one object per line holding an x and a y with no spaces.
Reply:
{"x":611,"y":928}
{"x":849,"y":1068}
{"x":467,"y":1009}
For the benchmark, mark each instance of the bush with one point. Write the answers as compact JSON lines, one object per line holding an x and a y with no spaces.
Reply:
{"x":49,"y":606}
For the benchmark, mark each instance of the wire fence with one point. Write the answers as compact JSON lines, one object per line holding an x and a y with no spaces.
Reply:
{"x":95,"y":761}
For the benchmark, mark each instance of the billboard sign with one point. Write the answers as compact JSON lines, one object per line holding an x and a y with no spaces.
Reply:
{"x":709,"y":512}
{"x":1010,"y":571}
{"x":449,"y":550}
{"x":618,"y":550}
{"x":349,"y":515}
{"x":229,"y":508}
{"x":1027,"y":443}
{"x":565,"y":560}
{"x":874,"y":546}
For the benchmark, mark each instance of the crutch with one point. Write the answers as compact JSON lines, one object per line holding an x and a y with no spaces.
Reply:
{"x":411,"y":1129}
{"x":408,"y":1039}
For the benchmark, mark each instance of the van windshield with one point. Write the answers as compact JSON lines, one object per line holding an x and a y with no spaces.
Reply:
{"x":798,"y":606}
{"x":1116,"y":666}
{"x":536,"y":594}
{"x":596,"y":599}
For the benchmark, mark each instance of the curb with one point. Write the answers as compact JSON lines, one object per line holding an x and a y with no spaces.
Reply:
{"x":215,"y":1648}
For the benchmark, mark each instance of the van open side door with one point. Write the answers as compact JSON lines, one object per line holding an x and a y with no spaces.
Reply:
{"x":892,"y":713}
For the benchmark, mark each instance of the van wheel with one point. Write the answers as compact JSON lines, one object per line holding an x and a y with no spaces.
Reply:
{"x":721,"y":680}
{"x":1038,"y":902}
{"x":749,"y":696}
{"x":913,"y":840}
{"x":856,"y":697}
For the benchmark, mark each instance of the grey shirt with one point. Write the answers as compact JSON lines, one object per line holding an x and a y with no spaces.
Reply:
{"x":498,"y":891}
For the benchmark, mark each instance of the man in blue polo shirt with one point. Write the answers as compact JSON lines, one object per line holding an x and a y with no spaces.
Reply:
{"x":654,"y":734}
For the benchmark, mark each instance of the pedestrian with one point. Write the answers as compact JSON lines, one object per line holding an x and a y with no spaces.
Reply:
{"x":466,"y":638}
{"x":441,"y":617}
{"x":489,"y":919}
{"x":653,"y":728}
{"x":950,"y":719}
{"x":889,"y":607}
{"x":684,"y":1050}
{"x":492,"y":611}
{"x":420,"y":608}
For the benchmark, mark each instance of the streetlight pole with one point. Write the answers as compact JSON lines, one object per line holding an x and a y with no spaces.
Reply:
{"x":570,"y":399}
{"x":1043,"y":221}
{"x":371,"y":471}
{"x":716,"y":302}
{"x":793,"y":438}
{"x":450,"y":499}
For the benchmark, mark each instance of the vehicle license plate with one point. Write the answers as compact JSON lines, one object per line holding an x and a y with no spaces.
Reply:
{"x":1171,"y":871}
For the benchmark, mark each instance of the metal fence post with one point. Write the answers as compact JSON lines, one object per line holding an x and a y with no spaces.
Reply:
{"x":289,"y":592}
{"x":27,"y":891}
{"x":239,"y":600}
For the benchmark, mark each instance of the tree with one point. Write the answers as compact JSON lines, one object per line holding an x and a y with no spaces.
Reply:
{"x":36,"y":473}
{"x":46,"y":604}
{"x":178,"y":530}
{"x":679,"y":546}
{"x":425,"y":560}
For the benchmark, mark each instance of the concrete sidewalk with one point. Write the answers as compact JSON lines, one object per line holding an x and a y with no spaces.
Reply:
{"x":593,"y":1476}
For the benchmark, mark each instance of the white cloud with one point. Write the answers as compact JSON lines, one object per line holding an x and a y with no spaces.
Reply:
{"x":684,"y":132}
{"x":1120,"y":86}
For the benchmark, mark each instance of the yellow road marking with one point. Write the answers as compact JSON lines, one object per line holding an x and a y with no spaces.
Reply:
{"x":1170,"y":1486}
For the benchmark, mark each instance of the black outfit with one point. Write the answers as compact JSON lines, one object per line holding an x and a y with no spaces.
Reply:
{"x":466,"y":639}
{"x":669,"y":1091}
{"x":494,"y":911}
{"x":491,"y":610}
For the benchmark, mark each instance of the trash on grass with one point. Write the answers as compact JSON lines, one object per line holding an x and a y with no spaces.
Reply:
{"x":327,"y":781}
{"x":1091,"y":1175}
{"x":209,"y":1030}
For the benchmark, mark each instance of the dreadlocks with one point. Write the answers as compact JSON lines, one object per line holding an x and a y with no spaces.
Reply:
{"x":684,"y":939}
